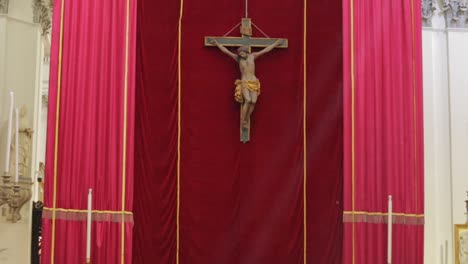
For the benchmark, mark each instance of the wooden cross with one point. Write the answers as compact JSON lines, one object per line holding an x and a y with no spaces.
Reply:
{"x":248,"y":41}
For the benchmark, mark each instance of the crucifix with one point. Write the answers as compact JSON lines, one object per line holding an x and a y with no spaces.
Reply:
{"x":248,"y":86}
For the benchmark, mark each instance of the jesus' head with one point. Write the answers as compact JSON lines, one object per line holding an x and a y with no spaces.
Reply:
{"x":243,"y":52}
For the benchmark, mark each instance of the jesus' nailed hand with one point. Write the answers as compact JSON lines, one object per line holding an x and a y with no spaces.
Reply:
{"x":250,"y":83}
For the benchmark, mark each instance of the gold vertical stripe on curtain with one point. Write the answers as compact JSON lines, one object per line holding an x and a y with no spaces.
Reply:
{"x":179,"y":96}
{"x":124,"y":151}
{"x":57,"y":125}
{"x":352,"y":133}
{"x":304,"y":121}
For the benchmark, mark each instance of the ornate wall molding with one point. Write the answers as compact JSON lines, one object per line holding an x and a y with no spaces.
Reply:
{"x":45,"y":100}
{"x":42,"y":14}
{"x":456,"y":13}
{"x":4,"y":6}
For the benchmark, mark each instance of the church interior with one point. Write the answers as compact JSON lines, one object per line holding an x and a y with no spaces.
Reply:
{"x":234,"y":132}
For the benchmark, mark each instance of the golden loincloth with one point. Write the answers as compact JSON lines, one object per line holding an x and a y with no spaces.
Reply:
{"x":253,"y":86}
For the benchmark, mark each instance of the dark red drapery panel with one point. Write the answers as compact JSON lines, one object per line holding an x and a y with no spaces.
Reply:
{"x":325,"y":131}
{"x":383,"y":132}
{"x":90,"y":132}
{"x":156,"y":132}
{"x":236,"y":198}
{"x":239,"y":203}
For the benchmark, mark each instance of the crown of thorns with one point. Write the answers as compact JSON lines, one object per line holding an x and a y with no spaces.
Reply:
{"x":243,"y":48}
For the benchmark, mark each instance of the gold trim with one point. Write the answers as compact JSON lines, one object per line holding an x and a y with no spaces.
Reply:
{"x":382,"y":217}
{"x":124,"y":154}
{"x":81,"y":216}
{"x":456,"y":237}
{"x":57,"y":123}
{"x":304,"y":121}
{"x":179,"y":93}
{"x":86,"y":211}
{"x":380,"y":213}
{"x":353,"y":165}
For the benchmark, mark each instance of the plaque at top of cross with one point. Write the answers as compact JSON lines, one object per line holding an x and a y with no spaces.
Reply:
{"x":248,"y":86}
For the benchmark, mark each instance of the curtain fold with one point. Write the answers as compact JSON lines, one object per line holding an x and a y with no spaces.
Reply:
{"x":324,"y":131}
{"x":90,"y":132}
{"x":383,"y":132}
{"x":156,"y":132}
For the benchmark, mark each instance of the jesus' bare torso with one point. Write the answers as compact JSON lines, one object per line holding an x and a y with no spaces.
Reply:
{"x":250,"y":84}
{"x":247,"y":68}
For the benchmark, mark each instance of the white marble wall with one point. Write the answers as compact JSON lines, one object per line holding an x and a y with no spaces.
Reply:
{"x":3,"y":91}
{"x":21,"y":10}
{"x":20,"y":66}
{"x":458,"y":53}
{"x":445,"y":58}
{"x":13,"y":249}
{"x":438,"y":204}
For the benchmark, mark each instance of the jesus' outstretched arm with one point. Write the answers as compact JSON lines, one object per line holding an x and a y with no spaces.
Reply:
{"x":267,"y":49}
{"x":223,"y":49}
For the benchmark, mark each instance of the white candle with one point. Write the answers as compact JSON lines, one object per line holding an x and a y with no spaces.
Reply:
{"x":390,"y":220}
{"x":16,"y":145}
{"x":441,"y":254}
{"x":446,"y":252}
{"x":88,"y":226}
{"x":8,"y":145}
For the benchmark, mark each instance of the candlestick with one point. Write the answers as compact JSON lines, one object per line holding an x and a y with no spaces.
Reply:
{"x":390,"y":220}
{"x":16,"y":145}
{"x":88,"y":226}
{"x":441,"y":254}
{"x":446,"y":252}
{"x":8,"y":145}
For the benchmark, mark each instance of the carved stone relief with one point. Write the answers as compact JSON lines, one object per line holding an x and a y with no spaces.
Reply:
{"x":4,"y":6}
{"x":428,"y":8}
{"x":456,"y":13}
{"x":45,"y":100}
{"x":42,"y":13}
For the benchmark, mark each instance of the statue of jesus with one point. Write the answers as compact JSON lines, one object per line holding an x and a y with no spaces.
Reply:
{"x":248,"y":87}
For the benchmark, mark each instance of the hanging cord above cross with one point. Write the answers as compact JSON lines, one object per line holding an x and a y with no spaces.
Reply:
{"x":246,"y":8}
{"x":246,"y":39}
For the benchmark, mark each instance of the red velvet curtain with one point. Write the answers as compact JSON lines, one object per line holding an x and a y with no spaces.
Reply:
{"x":90,"y":132}
{"x":204,"y":197}
{"x":383,"y":133}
